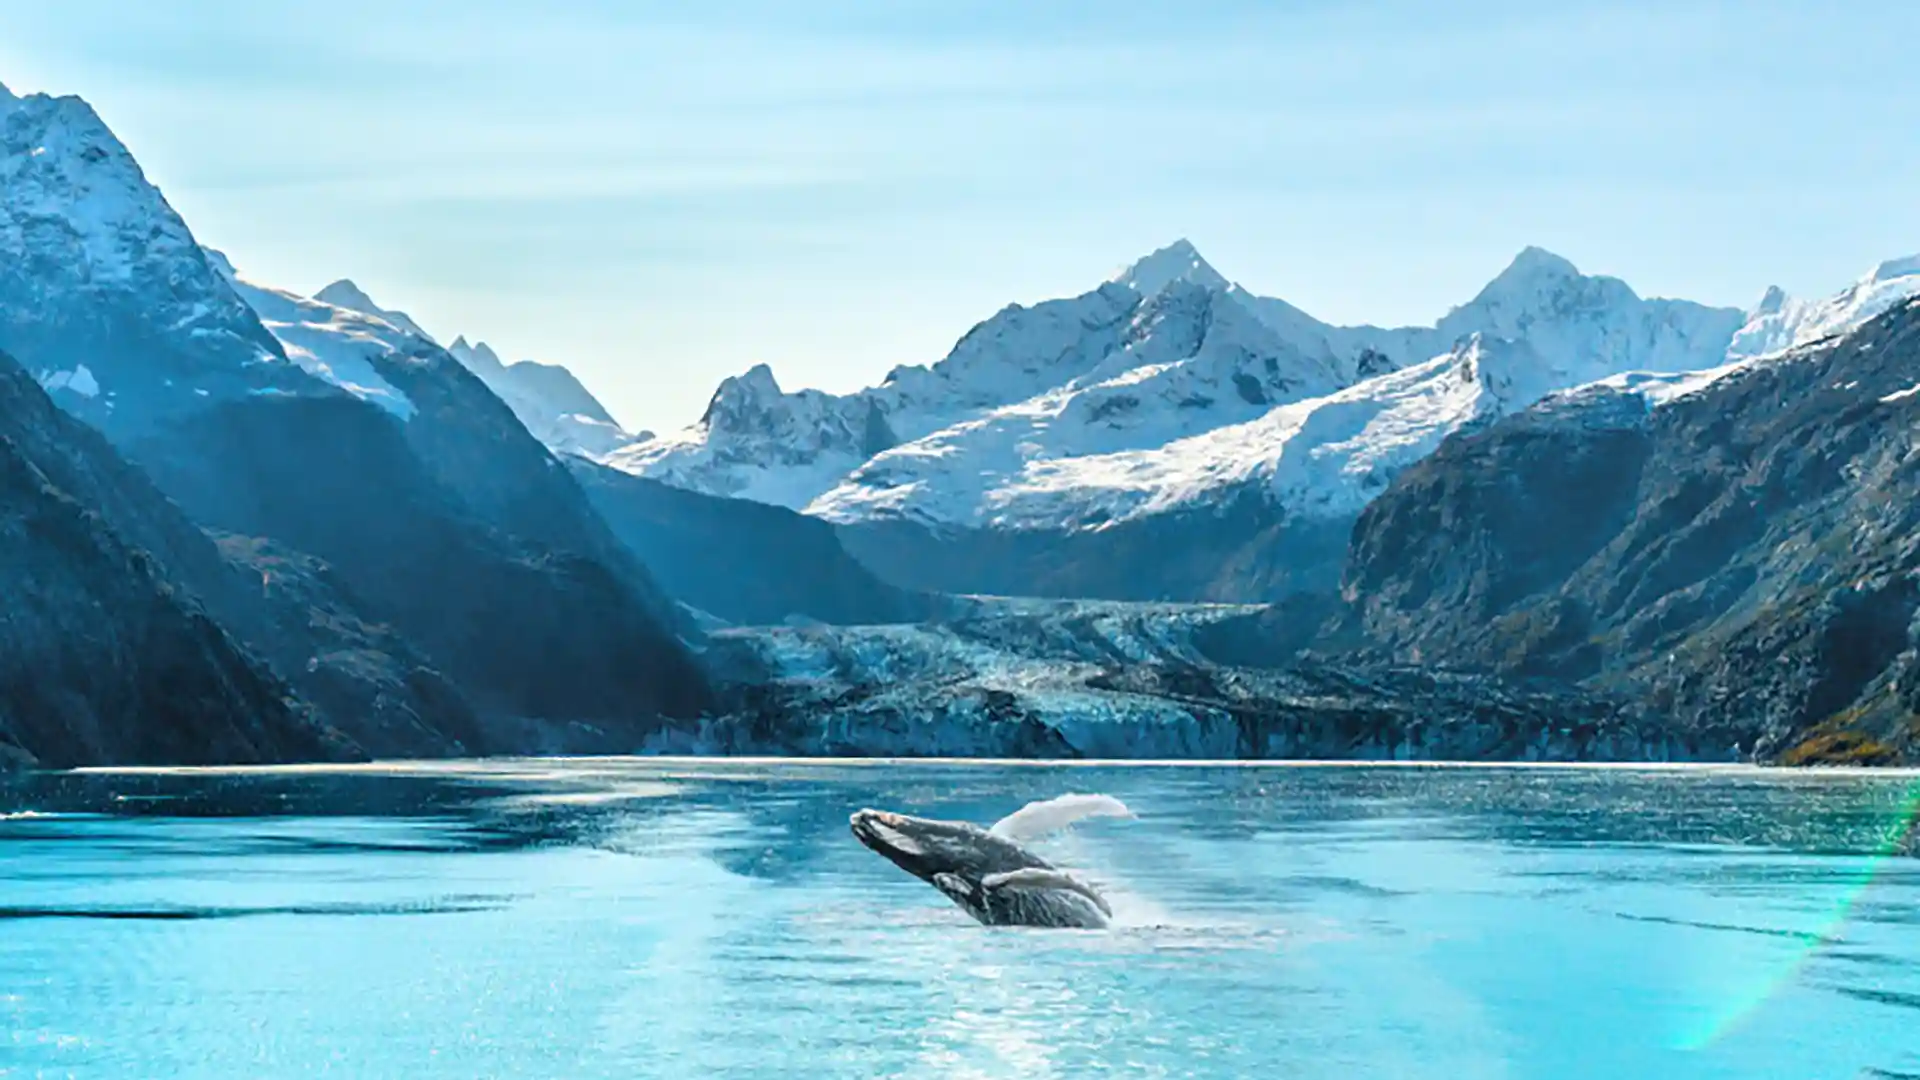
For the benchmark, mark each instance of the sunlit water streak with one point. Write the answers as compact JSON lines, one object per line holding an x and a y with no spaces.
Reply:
{"x":1896,"y":848}
{"x":614,"y":918}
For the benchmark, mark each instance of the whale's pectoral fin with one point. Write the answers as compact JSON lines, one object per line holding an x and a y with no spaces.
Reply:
{"x":1045,"y":879}
{"x":954,"y":886}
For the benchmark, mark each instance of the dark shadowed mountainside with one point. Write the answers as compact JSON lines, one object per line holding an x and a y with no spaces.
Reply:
{"x":103,"y":658}
{"x":740,"y":561}
{"x":525,"y":630}
{"x":1748,"y":554}
{"x":1246,"y":551}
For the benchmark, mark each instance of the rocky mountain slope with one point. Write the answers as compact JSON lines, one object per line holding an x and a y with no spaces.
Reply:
{"x":737,"y":561}
{"x":368,"y":683}
{"x":104,"y":657}
{"x":1743,"y":547}
{"x":451,"y":522}
{"x":332,"y":434}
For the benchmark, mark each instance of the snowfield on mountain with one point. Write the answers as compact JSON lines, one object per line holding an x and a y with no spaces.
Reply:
{"x":1170,"y":388}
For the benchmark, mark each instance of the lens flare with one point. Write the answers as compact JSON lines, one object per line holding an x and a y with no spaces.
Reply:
{"x":1895,"y":840}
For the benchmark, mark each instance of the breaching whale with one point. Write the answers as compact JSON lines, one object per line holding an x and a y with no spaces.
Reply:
{"x":986,"y":871}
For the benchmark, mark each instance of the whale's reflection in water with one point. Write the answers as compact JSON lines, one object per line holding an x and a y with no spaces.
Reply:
{"x":653,"y":918}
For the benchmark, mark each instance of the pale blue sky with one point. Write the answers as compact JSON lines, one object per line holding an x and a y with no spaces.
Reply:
{"x":661,"y":194}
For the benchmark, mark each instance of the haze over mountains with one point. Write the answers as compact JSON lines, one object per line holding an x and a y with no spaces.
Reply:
{"x":240,"y":523}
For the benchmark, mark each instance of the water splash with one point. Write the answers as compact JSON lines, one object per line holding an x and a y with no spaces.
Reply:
{"x":1043,"y":819}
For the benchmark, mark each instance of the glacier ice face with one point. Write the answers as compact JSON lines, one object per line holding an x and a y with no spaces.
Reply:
{"x":79,"y":381}
{"x":1078,"y":679}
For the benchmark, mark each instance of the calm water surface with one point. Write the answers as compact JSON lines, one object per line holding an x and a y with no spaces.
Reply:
{"x":664,"y":919}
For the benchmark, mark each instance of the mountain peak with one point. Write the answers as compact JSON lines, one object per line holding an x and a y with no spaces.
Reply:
{"x":1896,"y":268}
{"x":120,"y":253}
{"x":1538,"y":262}
{"x":759,"y":380}
{"x":1178,"y":261}
{"x":1771,"y":301}
{"x":741,"y":401}
{"x":478,"y":357}
{"x":345,"y":294}
{"x":1533,"y":274}
{"x":559,"y":392}
{"x":754,"y":386}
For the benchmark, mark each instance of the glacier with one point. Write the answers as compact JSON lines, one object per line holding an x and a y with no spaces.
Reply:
{"x":1097,"y":680}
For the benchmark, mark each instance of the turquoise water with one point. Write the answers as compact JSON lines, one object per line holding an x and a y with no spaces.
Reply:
{"x":665,"y":919}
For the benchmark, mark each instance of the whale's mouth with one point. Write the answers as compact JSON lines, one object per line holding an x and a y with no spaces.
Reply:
{"x":880,"y":830}
{"x":886,"y":834}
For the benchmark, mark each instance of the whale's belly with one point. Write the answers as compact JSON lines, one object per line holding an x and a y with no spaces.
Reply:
{"x":1061,"y":908}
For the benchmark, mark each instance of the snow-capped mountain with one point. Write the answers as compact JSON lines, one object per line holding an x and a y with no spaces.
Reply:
{"x":1579,"y":324}
{"x":330,"y":334}
{"x":549,"y":400}
{"x":759,"y":442}
{"x":335,"y":343}
{"x":345,"y":294}
{"x":1538,"y":328}
{"x":1086,"y":412}
{"x":1192,"y":360}
{"x":1323,"y":456}
{"x":1178,"y":261}
{"x":1733,"y":549}
{"x":1780,"y":322}
{"x":103,"y":290}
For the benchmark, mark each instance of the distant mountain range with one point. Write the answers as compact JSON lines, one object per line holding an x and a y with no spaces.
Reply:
{"x":1062,"y":449}
{"x":238,"y":523}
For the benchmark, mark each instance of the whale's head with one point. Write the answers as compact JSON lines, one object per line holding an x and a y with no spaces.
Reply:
{"x":928,"y":848}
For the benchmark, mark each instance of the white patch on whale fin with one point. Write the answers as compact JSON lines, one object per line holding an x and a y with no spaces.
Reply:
{"x":1045,"y":879}
{"x":953,"y":885}
{"x":1037,"y":819}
